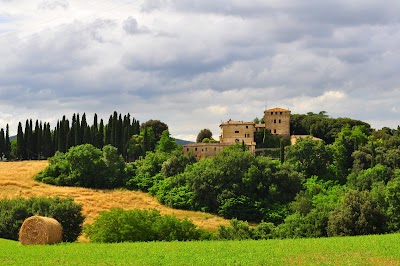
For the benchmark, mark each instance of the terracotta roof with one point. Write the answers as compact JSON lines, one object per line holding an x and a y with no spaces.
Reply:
{"x":277,"y":109}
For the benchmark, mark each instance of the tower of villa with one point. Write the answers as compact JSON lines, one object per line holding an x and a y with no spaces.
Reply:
{"x":277,"y":121}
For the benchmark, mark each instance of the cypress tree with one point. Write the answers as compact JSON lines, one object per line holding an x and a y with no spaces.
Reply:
{"x":62,"y":135}
{"x":119,"y":132}
{"x":95,"y":131}
{"x":114,"y":130}
{"x":77,"y":131}
{"x":101,"y":134}
{"x":20,"y":142}
{"x":47,"y":141}
{"x":2,"y":144}
{"x":135,"y":127}
{"x":37,"y":140}
{"x":27,"y":141}
{"x":87,"y":135}
{"x":72,"y":137}
{"x":55,"y":137}
{"x":8,"y":143}
{"x":83,"y":129}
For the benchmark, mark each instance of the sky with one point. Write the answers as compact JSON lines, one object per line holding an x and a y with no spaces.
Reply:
{"x":194,"y":64}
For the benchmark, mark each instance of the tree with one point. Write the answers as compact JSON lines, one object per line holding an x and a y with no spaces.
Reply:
{"x":204,"y":133}
{"x":20,"y":143}
{"x":115,"y":164}
{"x":166,"y":143}
{"x":86,"y":166}
{"x":311,"y":156}
{"x":358,"y":214}
{"x":157,"y":126}
{"x":135,"y":147}
{"x":392,"y":199}
{"x":2,"y":144}
{"x":8,"y":143}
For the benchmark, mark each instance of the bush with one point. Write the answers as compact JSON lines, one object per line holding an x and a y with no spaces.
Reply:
{"x":358,"y":214}
{"x":86,"y":166}
{"x":240,"y":230}
{"x":13,"y":212}
{"x":118,"y":225}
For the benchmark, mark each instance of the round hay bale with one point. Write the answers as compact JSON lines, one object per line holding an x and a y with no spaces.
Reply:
{"x":39,"y":230}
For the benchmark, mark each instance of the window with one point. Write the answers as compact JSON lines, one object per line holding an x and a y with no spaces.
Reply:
{"x":247,"y":126}
{"x":275,"y":131}
{"x":281,"y":113}
{"x":215,"y":148}
{"x":237,"y":132}
{"x":274,"y":121}
{"x":247,"y":135}
{"x":236,"y":140}
{"x":187,"y":149}
{"x":279,"y":121}
{"x":272,"y":113}
{"x":276,"y":113}
{"x":195,"y":149}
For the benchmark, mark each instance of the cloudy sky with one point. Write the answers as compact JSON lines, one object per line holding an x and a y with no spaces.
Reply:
{"x":195,"y":63}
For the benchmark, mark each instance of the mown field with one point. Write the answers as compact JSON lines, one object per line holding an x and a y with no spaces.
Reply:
{"x":16,"y":179}
{"x":366,"y":250}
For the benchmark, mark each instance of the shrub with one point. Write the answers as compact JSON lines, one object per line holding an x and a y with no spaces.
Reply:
{"x":358,"y":214}
{"x":240,"y":230}
{"x":86,"y":166}
{"x":118,"y":225}
{"x":13,"y":212}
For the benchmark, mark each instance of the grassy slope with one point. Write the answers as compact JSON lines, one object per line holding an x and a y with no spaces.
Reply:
{"x":16,"y":179}
{"x":366,"y":250}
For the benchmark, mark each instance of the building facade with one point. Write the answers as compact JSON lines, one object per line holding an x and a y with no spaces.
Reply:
{"x":237,"y":132}
{"x":277,"y":121}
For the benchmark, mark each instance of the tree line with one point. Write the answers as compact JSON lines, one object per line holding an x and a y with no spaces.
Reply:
{"x":36,"y":140}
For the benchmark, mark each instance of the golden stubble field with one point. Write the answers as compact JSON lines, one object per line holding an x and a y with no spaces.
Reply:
{"x":16,"y":179}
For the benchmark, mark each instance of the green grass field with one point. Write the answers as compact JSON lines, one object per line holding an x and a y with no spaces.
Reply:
{"x":366,"y":250}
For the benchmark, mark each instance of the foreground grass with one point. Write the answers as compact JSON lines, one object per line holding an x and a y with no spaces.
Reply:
{"x":366,"y":250}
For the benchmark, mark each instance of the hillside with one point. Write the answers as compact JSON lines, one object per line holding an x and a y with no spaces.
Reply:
{"x":16,"y":179}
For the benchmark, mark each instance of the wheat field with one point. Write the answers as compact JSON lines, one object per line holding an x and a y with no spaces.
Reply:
{"x":16,"y":179}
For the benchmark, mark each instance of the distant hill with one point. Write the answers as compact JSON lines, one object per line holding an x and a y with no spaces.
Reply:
{"x":183,"y":142}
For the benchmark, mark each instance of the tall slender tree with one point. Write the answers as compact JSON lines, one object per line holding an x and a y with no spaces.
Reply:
{"x":101,"y":134}
{"x":8,"y":144}
{"x":20,"y":143}
{"x":2,"y":144}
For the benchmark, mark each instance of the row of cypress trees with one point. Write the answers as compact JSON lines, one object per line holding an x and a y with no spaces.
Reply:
{"x":38,"y":141}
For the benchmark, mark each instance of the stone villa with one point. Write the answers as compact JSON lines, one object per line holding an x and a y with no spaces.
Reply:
{"x":277,"y":121}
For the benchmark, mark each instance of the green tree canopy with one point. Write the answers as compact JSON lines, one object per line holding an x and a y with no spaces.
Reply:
{"x":204,"y":133}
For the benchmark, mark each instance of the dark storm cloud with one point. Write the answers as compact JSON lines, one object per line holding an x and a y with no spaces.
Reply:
{"x":210,"y":59}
